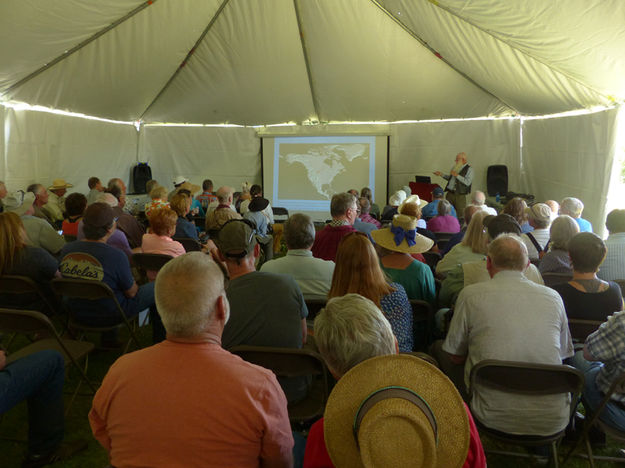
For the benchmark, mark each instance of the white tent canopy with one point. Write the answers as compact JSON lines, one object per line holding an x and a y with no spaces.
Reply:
{"x":263,"y":62}
{"x":272,"y":61}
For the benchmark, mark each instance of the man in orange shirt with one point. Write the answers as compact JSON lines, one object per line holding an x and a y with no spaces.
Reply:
{"x":186,"y":401}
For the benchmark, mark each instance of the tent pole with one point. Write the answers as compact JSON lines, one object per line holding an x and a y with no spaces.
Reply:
{"x":79,"y":46}
{"x":188,"y":57}
{"x":306,"y":59}
{"x":449,"y":64}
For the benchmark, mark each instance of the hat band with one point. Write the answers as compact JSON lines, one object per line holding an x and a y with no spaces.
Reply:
{"x":400,"y":234}
{"x":394,"y":392}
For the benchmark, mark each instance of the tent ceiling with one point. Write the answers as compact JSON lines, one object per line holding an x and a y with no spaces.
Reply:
{"x":273,"y":61}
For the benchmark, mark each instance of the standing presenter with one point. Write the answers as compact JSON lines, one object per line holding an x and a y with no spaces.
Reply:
{"x":459,"y":182}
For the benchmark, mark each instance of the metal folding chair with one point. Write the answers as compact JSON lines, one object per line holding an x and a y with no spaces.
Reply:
{"x":524,"y":378}
{"x":149,"y":262}
{"x":422,"y":321}
{"x":190,"y":245}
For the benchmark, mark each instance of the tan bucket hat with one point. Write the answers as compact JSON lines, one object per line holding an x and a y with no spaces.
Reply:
{"x":396,"y":411}
{"x":402,"y":236}
{"x":190,"y":187}
{"x":59,"y":184}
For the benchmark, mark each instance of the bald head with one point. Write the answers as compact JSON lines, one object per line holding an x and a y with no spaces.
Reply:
{"x":224,"y":195}
{"x":507,"y":252}
{"x":187,"y":292}
{"x":478,"y":198}
{"x":117,"y":182}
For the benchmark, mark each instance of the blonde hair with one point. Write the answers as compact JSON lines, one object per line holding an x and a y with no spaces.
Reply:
{"x":11,"y":240}
{"x":358,"y":270}
{"x":180,"y":203}
{"x":158,"y":193}
{"x":162,"y":221}
{"x":476,"y":236}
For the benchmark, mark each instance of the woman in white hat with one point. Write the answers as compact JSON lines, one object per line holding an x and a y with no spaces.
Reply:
{"x":395,"y":245}
{"x":358,"y":271}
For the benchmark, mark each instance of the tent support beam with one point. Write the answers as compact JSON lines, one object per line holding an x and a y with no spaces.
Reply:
{"x":187,"y":58}
{"x":79,"y":46}
{"x":514,"y":47}
{"x":450,"y":65}
{"x":306,"y":59}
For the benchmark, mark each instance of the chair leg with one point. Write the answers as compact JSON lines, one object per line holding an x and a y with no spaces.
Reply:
{"x":591,"y":460}
{"x":554,"y":453}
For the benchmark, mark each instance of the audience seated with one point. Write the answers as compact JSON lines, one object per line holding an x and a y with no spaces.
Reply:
{"x":344,"y":210}
{"x":256,"y":191}
{"x":431,"y":209}
{"x":126,"y":222}
{"x":413,"y":209}
{"x":358,"y":271}
{"x":587,"y":297}
{"x":181,"y":204}
{"x":118,"y":239}
{"x":476,"y":272}
{"x":395,"y":245}
{"x":187,"y":401}
{"x":313,"y":275}
{"x":472,"y":248}
{"x":512,"y":319}
{"x":75,"y":206}
{"x":536,"y":241}
{"x":206,"y":197}
{"x":374,"y":209}
{"x":178,"y":181}
{"x":516,"y":208}
{"x":38,"y":378}
{"x":223,"y":212}
{"x":352,"y":336}
{"x":613,"y":267}
{"x":18,"y":258}
{"x":267,"y":309}
{"x":365,"y":216}
{"x":603,"y":362}
{"x":158,"y":240}
{"x":93,"y":259}
{"x":444,"y":221}
{"x":38,"y":231}
{"x":557,"y":259}
{"x":255,"y":214}
{"x":41,"y":200}
{"x":574,"y":207}
{"x":190,"y":189}
{"x":56,"y":199}
{"x":159,"y":200}
{"x":468,"y":213}
{"x":554,"y":206}
{"x":95,"y":189}
{"x":394,"y":201}
{"x":479,"y":199}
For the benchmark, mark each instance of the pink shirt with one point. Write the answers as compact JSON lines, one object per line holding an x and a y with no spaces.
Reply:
{"x":447,"y":223}
{"x":164,"y":245}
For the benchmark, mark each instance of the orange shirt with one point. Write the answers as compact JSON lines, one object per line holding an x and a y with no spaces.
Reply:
{"x":190,"y":405}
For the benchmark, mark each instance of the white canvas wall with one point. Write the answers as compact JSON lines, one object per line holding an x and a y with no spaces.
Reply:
{"x":40,"y":147}
{"x":226,"y":155}
{"x":571,"y":156}
{"x":422,"y":148}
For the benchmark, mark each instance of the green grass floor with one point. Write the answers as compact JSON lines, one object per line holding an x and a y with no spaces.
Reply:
{"x":14,"y":425}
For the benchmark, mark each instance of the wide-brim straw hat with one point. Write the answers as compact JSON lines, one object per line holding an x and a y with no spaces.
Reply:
{"x":412,"y":199}
{"x":396,"y":411}
{"x":58,"y":184}
{"x":190,"y":187}
{"x":402,"y":236}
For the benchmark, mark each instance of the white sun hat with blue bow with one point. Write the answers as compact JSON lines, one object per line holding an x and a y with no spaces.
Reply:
{"x":402,"y":236}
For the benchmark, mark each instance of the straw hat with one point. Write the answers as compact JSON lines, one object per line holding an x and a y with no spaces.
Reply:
{"x":186,"y":185}
{"x":402,"y":236}
{"x":396,"y":411}
{"x":397,"y":198}
{"x":412,"y":199}
{"x":58,"y":184}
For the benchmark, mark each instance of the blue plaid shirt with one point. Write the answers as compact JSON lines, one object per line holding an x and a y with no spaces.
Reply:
{"x":607,"y":344}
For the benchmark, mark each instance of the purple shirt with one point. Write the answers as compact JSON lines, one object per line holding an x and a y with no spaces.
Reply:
{"x":447,"y":223}
{"x":118,"y":240}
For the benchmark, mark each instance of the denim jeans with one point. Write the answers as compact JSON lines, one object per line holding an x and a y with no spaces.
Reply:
{"x":613,"y":414}
{"x":39,"y":379}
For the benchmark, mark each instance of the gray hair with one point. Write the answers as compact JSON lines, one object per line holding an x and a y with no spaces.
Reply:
{"x":186,"y":291}
{"x":340,"y":203}
{"x":223,"y":194}
{"x":36,"y":188}
{"x":443,"y":208}
{"x":299,"y":231}
{"x":158,"y":192}
{"x":508,"y":252}
{"x":351,"y":329}
{"x":572,"y":207}
{"x":365,"y":205}
{"x":478,"y":198}
{"x":562,"y":231}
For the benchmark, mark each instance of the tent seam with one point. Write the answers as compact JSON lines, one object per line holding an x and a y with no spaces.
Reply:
{"x":306,"y":59}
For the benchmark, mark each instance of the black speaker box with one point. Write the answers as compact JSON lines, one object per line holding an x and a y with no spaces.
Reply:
{"x":497,"y":180}
{"x":141,"y":173}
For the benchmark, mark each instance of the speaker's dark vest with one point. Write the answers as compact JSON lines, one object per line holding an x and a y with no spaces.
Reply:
{"x":461,"y":189}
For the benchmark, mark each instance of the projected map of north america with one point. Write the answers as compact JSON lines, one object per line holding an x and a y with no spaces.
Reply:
{"x":325,"y":163}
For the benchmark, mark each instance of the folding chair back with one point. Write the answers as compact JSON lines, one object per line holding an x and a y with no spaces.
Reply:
{"x":288,"y":363}
{"x":149,"y":262}
{"x":280,"y":215}
{"x":551,"y":279}
{"x":314,"y":306}
{"x":442,"y":238}
{"x":19,"y":285}
{"x":432,"y":259}
{"x":92,"y":290}
{"x":422,"y":321}
{"x":190,"y":245}
{"x":580,"y":329}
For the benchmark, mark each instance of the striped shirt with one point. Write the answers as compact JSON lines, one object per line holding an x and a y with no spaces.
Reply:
{"x":607,"y":344}
{"x":613,"y":267}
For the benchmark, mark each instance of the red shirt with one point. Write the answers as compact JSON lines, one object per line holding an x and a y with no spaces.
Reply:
{"x":327,"y":241}
{"x":316,"y":454}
